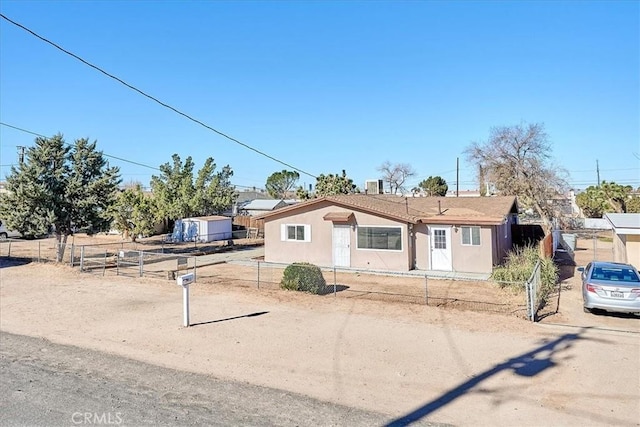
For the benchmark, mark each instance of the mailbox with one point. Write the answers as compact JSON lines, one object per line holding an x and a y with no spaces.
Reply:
{"x":185,"y":279}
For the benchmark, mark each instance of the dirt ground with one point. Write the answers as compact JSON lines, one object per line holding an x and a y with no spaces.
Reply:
{"x":405,"y":360}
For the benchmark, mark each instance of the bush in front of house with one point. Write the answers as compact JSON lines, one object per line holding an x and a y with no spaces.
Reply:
{"x":519,"y":266}
{"x":304,"y":277}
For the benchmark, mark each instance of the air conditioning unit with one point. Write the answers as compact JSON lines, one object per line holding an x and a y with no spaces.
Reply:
{"x":374,"y":186}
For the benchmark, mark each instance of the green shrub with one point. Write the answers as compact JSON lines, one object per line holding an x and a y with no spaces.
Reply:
{"x":304,"y":277}
{"x":518,"y":267}
{"x":548,"y":276}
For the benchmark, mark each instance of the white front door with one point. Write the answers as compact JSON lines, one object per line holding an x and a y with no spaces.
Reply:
{"x":441,"y":248}
{"x":341,"y":245}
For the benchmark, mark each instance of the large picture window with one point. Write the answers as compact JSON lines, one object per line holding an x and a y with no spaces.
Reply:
{"x":380,"y":238}
{"x":470,"y":236}
{"x":296,"y":232}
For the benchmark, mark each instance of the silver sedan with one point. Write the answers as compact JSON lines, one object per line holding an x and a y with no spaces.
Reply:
{"x":611,"y":286}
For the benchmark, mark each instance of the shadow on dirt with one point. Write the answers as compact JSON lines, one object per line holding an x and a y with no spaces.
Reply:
{"x":528,"y":365}
{"x":258,"y":313}
{"x":566,"y":265}
{"x":14,"y":262}
{"x":331,"y":289}
{"x":602,"y":313}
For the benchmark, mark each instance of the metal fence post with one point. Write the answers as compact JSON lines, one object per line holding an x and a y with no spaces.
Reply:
{"x":527,"y":287}
{"x":82,"y":258}
{"x":426,"y":290}
{"x":141,"y":262}
{"x":72,"y":255}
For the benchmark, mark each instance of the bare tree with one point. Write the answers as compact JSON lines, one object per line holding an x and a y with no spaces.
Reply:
{"x":516,"y":161}
{"x":396,"y":175}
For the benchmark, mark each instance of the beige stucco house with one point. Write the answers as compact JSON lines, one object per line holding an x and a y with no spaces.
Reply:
{"x":385,"y":232}
{"x":626,"y":237}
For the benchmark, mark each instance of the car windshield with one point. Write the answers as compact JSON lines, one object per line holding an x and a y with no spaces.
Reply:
{"x":615,"y":274}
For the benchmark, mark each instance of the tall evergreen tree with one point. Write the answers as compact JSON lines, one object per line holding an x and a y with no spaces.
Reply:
{"x":279,"y":184}
{"x":434,"y":186}
{"x":134,"y":213}
{"x":60,"y":187}
{"x":178,"y":196}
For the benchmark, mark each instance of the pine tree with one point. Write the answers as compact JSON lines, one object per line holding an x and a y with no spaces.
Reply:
{"x":60,"y":188}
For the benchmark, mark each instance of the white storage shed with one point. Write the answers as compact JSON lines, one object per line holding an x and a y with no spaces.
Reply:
{"x":206,"y":228}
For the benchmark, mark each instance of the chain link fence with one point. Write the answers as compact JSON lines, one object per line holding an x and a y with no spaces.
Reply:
{"x":599,"y":242}
{"x":399,"y":288}
{"x":41,"y":250}
{"x":167,"y":262}
{"x":135,"y":263}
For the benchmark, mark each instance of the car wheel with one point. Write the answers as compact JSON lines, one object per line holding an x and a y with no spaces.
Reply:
{"x":3,"y":236}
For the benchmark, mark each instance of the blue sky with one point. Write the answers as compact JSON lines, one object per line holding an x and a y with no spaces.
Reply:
{"x":326,"y":86}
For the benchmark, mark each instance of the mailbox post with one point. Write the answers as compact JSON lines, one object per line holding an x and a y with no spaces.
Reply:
{"x":184,"y":281}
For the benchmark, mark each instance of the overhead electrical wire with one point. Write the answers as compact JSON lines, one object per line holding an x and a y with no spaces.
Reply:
{"x":104,"y":154}
{"x":175,"y":110}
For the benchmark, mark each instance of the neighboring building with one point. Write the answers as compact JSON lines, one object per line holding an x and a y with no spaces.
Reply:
{"x":248,"y":195}
{"x":463,"y":193}
{"x":259,"y":207}
{"x":385,"y":232}
{"x":202,"y":229}
{"x":626,"y":237}
{"x":374,"y":186}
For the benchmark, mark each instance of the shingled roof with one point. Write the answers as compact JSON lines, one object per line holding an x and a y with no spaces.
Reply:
{"x":430,"y":210}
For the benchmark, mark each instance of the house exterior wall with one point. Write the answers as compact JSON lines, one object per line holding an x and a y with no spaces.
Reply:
{"x":464,"y":258}
{"x":495,"y":241}
{"x":503,"y":241}
{"x":473,"y":259}
{"x":422,"y":247}
{"x":319,"y":250}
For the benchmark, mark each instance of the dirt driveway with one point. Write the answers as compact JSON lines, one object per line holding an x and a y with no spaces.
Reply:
{"x":409,"y":361}
{"x":570,"y":310}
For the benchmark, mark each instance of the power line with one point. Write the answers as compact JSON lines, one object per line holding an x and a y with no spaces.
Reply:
{"x":104,"y":154}
{"x":153,"y":98}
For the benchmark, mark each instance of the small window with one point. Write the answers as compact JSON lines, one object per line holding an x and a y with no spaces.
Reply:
{"x":440,"y":239}
{"x":380,"y":238}
{"x":471,"y":236}
{"x":296,"y":232}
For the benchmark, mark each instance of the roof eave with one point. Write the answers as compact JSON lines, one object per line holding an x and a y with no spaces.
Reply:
{"x":462,"y":221}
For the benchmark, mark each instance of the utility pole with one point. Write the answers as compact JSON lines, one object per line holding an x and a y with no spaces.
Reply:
{"x":21,"y":149}
{"x":457,"y":176}
{"x":598,"y":172}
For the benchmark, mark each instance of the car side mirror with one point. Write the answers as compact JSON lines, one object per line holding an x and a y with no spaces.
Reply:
{"x":581,"y":269}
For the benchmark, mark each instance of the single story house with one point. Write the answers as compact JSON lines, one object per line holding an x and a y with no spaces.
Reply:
{"x":392,"y":233}
{"x":626,"y":237}
{"x":202,"y":229}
